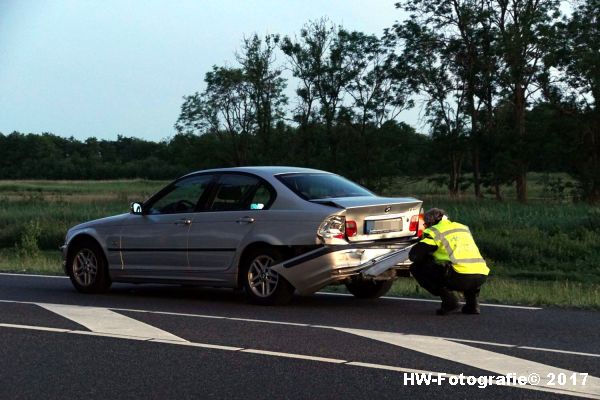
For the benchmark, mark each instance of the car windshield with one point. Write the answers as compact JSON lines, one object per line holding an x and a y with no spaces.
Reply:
{"x":312,"y":186}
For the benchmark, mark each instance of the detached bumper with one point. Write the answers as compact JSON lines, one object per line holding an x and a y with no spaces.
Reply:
{"x":316,"y":269}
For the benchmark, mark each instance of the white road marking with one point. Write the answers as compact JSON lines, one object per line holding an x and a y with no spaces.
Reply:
{"x":321,"y":293}
{"x":136,"y":310}
{"x":291,"y":355}
{"x":264,"y":321}
{"x":482,"y":359}
{"x":433,"y":301}
{"x":194,"y":344}
{"x":110,"y":335}
{"x":33,"y":275}
{"x":280,"y":354}
{"x":576,"y":353}
{"x":35,"y":328}
{"x":103,"y":320}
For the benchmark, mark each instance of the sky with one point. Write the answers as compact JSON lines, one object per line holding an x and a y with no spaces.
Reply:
{"x":119,"y":67}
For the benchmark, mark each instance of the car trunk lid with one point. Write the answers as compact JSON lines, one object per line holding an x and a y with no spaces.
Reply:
{"x":378,"y":218}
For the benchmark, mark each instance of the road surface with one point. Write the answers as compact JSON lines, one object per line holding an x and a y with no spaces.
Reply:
{"x":157,"y":342}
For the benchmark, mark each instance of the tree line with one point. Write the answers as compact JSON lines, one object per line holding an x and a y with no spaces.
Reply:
{"x":505,"y":87}
{"x":48,"y":156}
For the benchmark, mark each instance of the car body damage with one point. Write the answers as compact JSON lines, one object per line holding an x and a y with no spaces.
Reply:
{"x":333,"y":264}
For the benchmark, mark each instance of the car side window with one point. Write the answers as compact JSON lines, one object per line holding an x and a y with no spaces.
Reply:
{"x":262,"y":198}
{"x":183,"y":196}
{"x":240,"y":192}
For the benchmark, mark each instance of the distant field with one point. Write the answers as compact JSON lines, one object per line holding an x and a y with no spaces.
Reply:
{"x":550,"y":239}
{"x":54,"y":206}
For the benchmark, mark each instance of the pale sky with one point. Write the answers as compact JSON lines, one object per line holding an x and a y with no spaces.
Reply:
{"x":107,"y":67}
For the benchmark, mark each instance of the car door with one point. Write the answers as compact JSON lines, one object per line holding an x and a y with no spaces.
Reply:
{"x":154,"y":244}
{"x":235,"y":208}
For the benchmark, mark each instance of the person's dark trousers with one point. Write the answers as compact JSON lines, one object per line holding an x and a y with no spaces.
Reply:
{"x":469,"y":284}
{"x":439,"y":279}
{"x":431,"y":276}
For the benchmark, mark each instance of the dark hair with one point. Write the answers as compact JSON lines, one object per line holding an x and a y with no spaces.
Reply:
{"x":434,"y":216}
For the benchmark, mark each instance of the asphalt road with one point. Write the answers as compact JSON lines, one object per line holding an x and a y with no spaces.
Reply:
{"x":162,"y":342}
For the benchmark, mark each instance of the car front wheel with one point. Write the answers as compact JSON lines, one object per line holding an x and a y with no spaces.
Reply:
{"x":87,"y":268}
{"x":366,"y":289}
{"x":262,"y":284}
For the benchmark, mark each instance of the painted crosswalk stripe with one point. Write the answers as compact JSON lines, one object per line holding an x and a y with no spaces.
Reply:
{"x":102,"y":320}
{"x":498,"y":363}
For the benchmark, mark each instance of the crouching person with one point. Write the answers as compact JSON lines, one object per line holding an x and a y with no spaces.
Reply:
{"x":446,"y":260}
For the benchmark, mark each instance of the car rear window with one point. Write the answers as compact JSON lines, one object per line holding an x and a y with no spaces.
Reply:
{"x":312,"y":186}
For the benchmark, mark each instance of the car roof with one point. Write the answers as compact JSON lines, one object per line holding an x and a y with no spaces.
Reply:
{"x":263,"y":170}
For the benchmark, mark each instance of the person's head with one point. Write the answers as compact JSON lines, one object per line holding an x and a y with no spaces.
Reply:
{"x":434,"y":216}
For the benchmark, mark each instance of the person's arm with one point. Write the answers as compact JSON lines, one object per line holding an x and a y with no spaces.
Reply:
{"x":422,"y":250}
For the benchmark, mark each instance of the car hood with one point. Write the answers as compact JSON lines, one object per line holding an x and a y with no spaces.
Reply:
{"x":108,"y":221}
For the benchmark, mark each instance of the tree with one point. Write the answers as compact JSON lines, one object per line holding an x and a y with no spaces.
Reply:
{"x":224,"y":108}
{"x":433,"y":69}
{"x":321,"y":59}
{"x":266,"y":87}
{"x":238,"y":103}
{"x":578,"y":59}
{"x":525,"y":37}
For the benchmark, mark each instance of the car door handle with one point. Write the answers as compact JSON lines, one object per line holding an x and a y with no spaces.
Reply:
{"x":245,"y":220}
{"x":184,"y":221}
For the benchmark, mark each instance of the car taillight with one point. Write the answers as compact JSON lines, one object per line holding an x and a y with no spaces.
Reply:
{"x":351,"y":229}
{"x":417,"y":223}
{"x":414,"y":223}
{"x":421,"y":224}
{"x":333,"y":227}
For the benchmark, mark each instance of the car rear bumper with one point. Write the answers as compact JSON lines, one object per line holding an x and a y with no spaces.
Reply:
{"x":326,"y":265}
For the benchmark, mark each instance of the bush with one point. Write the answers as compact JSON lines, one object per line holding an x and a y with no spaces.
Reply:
{"x":28,"y":243}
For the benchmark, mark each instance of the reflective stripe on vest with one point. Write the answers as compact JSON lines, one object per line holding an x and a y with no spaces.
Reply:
{"x":474,"y":264}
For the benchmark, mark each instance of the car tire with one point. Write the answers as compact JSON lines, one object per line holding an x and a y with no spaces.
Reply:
{"x":87,"y":268}
{"x":369,"y":289}
{"x":263,"y":285}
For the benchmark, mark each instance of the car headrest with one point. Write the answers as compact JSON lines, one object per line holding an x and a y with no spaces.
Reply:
{"x":230,"y":193}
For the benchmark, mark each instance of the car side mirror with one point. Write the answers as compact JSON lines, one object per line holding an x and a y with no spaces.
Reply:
{"x":136,"y":208}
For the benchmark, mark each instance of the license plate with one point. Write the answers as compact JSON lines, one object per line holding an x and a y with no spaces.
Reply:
{"x":383,"y":226}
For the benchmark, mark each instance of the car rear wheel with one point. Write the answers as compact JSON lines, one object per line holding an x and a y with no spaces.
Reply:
{"x":262,"y":284}
{"x":365,"y":289}
{"x":87,"y":268}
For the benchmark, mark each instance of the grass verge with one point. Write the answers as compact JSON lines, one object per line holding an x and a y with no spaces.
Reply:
{"x":43,"y":263}
{"x":515,"y":292}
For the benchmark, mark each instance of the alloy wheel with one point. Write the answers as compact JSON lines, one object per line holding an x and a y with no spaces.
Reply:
{"x":262,"y":279}
{"x":85,"y":267}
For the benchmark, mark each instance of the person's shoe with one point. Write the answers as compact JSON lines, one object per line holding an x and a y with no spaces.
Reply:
{"x":445,"y":311}
{"x":449,"y":302}
{"x":472,"y":304}
{"x":470,"y":309}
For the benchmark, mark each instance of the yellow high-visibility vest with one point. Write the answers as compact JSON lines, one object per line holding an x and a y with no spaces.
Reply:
{"x":455,"y":244}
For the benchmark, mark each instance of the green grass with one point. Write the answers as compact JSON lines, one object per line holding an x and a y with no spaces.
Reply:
{"x":511,"y":291}
{"x":51,"y":205}
{"x":546,"y":239}
{"x":549,"y":248}
{"x":72,"y":187}
{"x":44,"y":263}
{"x":520,"y":292}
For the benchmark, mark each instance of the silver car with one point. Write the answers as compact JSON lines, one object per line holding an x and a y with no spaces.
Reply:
{"x":269,"y":230}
